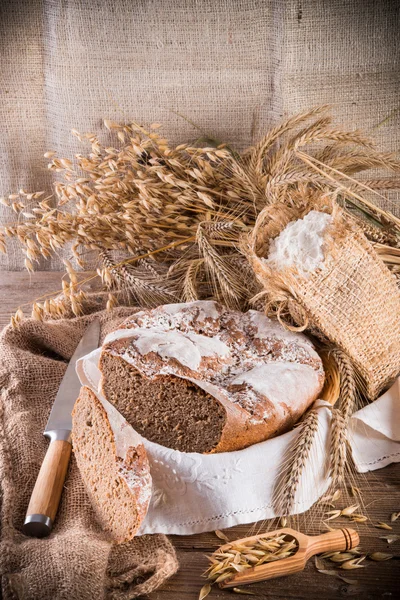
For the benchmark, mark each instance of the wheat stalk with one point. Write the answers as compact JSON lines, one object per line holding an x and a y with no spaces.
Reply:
{"x":257,"y":154}
{"x":297,"y":455}
{"x":341,"y":416}
{"x":220,"y":270}
{"x":190,"y":291}
{"x":145,"y":286}
{"x":378,"y":234}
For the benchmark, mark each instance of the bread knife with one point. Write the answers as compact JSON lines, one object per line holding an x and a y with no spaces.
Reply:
{"x":49,"y":484}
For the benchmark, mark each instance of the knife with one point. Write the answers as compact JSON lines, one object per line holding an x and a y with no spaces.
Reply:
{"x":46,"y":494}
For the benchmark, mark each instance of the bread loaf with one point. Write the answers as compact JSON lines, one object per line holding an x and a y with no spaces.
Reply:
{"x":113,"y":464}
{"x":198,"y":377}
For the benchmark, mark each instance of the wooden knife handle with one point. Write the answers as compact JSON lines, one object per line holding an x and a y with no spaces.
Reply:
{"x":46,"y":494}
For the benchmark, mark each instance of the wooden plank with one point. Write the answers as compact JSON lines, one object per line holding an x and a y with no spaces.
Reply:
{"x":380,"y":497}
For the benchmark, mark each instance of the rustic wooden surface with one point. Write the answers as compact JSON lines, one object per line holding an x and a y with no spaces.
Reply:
{"x":380,"y":491}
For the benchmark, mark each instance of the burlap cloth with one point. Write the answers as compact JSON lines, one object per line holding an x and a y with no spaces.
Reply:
{"x":76,"y":561}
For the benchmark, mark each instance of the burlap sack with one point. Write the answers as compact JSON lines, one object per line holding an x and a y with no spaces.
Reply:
{"x":353,"y":301}
{"x":77,"y":561}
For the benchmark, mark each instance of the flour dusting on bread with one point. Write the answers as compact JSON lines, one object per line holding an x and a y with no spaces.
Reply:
{"x":280,"y":382}
{"x":187,"y":348}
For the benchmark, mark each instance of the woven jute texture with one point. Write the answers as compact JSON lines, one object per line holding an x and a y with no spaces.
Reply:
{"x":77,"y":561}
{"x":234,"y":68}
{"x":353,"y":301}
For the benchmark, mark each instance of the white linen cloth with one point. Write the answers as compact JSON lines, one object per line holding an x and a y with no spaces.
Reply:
{"x":193,"y":492}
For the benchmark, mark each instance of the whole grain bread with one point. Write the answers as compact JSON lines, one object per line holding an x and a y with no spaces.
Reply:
{"x":113,"y":465}
{"x":198,"y":377}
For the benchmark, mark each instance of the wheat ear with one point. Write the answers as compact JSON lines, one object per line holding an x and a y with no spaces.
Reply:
{"x":378,"y":234}
{"x":258,"y":152}
{"x":147,"y":287}
{"x":190,"y":291}
{"x":340,"y":417}
{"x":220,"y":271}
{"x":298,"y":453}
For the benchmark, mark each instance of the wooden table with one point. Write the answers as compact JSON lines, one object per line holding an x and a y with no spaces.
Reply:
{"x":380,"y":491}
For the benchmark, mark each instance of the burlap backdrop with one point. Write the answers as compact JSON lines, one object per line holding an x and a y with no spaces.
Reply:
{"x":233,"y":67}
{"x":76,"y":562}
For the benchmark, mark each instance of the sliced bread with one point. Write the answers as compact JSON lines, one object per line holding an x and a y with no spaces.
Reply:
{"x":113,"y":465}
{"x":198,"y":377}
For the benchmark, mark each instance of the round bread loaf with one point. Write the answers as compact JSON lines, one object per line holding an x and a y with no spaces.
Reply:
{"x":198,"y":377}
{"x":113,"y":464}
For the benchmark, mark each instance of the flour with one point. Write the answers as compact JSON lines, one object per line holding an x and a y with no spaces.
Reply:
{"x":281,"y":383}
{"x":186,"y":316}
{"x":139,"y":480}
{"x":187,"y":348}
{"x":265,"y":328}
{"x":207,"y":309}
{"x":301,"y":244}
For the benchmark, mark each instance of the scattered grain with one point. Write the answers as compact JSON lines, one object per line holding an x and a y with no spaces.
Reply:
{"x":380,"y":556}
{"x":394,"y":516}
{"x":334,"y":514}
{"x":354,"y":563}
{"x":205,"y":590}
{"x":382,"y":525}
{"x":358,"y":518}
{"x":346,"y":512}
{"x":341,"y":557}
{"x":221,"y":535}
{"x":390,"y":538}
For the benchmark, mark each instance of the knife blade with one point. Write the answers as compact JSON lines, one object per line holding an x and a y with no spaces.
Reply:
{"x":60,"y":415}
{"x":46,"y":494}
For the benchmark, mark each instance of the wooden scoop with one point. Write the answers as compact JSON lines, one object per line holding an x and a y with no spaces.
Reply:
{"x":307,"y":546}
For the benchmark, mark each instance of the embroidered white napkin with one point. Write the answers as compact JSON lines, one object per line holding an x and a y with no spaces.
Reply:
{"x":193,"y":492}
{"x":375,"y":432}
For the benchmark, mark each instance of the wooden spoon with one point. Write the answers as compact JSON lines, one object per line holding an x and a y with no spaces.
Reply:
{"x":307,"y":546}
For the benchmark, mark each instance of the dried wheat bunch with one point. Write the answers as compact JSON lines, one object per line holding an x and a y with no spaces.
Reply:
{"x":165,"y":223}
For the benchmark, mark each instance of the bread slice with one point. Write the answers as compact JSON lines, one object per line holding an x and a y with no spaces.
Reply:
{"x":113,"y":464}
